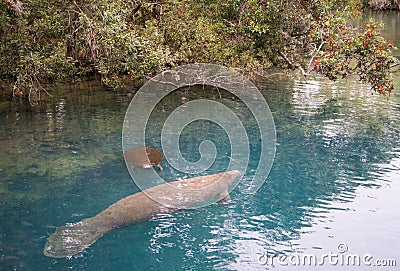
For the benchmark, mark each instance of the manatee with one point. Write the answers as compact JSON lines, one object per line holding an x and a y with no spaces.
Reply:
{"x":143,"y":157}
{"x":73,"y":238}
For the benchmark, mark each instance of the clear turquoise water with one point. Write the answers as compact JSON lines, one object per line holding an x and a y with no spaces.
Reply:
{"x":336,"y":170}
{"x":335,"y":180}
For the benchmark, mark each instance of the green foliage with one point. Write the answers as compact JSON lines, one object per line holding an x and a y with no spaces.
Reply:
{"x":31,"y":50}
{"x":46,"y":41}
{"x":364,"y":52}
{"x":316,"y":36}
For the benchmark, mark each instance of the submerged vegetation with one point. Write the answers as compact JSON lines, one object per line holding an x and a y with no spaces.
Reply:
{"x":48,"y":41}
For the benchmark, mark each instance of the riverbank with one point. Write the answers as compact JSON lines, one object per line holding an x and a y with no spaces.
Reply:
{"x":54,"y":91}
{"x":44,"y":43}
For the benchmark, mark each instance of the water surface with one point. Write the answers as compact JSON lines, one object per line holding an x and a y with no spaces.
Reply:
{"x":335,"y":180}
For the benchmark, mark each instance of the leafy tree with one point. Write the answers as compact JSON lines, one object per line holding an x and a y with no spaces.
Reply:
{"x":47,"y":41}
{"x":316,"y":36}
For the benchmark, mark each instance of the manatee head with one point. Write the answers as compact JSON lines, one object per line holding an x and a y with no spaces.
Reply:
{"x":143,"y":157}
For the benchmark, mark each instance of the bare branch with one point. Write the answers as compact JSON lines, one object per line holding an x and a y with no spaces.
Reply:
{"x":303,"y":72}
{"x":314,"y":54}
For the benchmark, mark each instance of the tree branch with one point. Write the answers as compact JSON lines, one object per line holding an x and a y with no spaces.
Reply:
{"x":295,"y":66}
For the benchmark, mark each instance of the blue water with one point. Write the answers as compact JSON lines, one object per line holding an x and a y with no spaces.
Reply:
{"x":334,"y":183}
{"x":335,"y":179}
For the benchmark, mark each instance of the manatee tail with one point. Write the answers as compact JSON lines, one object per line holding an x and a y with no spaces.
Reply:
{"x":73,"y":238}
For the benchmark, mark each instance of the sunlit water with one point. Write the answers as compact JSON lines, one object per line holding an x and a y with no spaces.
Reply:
{"x":335,"y":182}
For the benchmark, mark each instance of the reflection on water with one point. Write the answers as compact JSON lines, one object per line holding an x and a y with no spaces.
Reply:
{"x":331,"y":143}
{"x":335,"y":179}
{"x":334,"y":147}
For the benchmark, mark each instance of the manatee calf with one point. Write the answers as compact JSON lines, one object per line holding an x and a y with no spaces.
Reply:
{"x":188,"y":193}
{"x":143,"y":157}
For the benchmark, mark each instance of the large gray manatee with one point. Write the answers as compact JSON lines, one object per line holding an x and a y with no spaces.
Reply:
{"x":188,"y":193}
